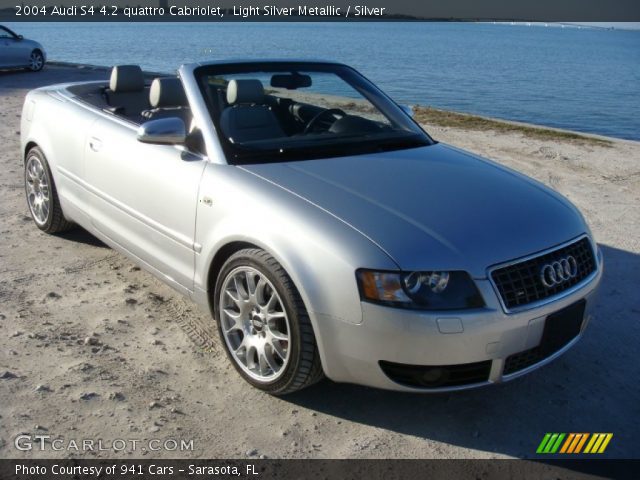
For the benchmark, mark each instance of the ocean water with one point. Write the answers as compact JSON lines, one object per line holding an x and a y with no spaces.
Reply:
{"x":580,"y":79}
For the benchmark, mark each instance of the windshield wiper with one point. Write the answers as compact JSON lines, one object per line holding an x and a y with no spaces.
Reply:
{"x":306,"y":151}
{"x":400,"y":143}
{"x":367,"y":144}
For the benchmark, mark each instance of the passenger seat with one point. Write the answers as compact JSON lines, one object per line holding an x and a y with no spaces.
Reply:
{"x":126,"y":93}
{"x":168,"y":99}
{"x":247,"y":118}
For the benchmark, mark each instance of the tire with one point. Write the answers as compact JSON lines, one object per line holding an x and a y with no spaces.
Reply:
{"x":286,"y":317}
{"x":36,"y":61}
{"x":42,"y":196}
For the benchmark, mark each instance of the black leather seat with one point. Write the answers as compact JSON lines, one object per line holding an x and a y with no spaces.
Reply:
{"x":126,"y":94}
{"x":168,"y":99}
{"x":248,"y":118}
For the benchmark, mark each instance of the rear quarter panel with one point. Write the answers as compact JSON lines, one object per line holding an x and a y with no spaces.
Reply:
{"x":59,"y":126}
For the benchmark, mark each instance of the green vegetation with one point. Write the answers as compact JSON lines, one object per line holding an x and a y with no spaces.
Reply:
{"x":445,"y":118}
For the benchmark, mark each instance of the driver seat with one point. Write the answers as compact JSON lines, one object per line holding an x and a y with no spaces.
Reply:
{"x":248,"y":118}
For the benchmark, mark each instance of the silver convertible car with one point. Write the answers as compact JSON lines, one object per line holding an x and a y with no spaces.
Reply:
{"x":324,"y":230}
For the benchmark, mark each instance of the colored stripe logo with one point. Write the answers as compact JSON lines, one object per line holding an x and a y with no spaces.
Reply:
{"x":553,"y":443}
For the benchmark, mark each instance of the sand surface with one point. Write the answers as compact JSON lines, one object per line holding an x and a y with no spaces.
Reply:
{"x":91,"y":347}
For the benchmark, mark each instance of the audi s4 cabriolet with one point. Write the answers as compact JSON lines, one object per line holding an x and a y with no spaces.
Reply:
{"x":327,"y":233}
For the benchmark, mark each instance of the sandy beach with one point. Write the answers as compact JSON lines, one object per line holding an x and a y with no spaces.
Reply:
{"x":92,"y":347}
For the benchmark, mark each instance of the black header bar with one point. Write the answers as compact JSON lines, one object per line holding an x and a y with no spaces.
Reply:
{"x":319,"y":10}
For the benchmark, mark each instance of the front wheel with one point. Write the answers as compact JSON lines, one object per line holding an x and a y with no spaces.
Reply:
{"x":264,"y":325}
{"x":36,"y":61}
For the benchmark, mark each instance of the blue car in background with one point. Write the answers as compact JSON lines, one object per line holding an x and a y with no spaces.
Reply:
{"x":19,"y":52}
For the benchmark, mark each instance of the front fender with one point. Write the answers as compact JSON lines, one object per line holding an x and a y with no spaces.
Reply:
{"x":319,"y":252}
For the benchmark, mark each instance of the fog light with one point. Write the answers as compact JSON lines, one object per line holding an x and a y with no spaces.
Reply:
{"x":433,"y":375}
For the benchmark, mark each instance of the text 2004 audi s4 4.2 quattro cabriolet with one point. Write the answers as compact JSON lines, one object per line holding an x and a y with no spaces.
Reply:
{"x":325,"y":231}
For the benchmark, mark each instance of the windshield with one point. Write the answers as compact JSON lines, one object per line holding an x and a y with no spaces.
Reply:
{"x":7,"y":33}
{"x":297,"y":111}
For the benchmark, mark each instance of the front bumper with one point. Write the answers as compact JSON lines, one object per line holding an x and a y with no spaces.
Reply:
{"x":352,"y":352}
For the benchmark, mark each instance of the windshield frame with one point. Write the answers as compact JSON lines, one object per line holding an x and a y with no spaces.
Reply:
{"x":10,"y":32}
{"x":236,"y":154}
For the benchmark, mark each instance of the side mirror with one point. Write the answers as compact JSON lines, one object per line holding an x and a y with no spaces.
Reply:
{"x":164,"y":131}
{"x":20,"y":37}
{"x":408,"y":109}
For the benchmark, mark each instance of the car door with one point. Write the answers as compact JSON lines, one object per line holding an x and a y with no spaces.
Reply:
{"x":144,"y":198}
{"x":9,"y":50}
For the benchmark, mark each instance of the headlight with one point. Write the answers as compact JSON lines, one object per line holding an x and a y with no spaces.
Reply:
{"x":422,"y":290}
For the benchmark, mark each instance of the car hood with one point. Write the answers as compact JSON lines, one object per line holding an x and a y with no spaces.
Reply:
{"x":435,"y":207}
{"x":31,"y":43}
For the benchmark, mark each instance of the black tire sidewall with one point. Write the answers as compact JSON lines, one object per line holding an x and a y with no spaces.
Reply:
{"x":247,"y":259}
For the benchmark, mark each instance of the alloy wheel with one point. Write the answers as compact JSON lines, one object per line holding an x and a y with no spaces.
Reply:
{"x":36,"y":61}
{"x":254,"y":324}
{"x":38,"y":191}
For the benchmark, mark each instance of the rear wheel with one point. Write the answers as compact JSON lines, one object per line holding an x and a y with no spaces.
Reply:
{"x":264,"y":325}
{"x":42,"y":196}
{"x":36,"y":61}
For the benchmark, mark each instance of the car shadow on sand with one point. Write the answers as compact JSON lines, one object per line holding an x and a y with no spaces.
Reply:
{"x":592,"y":388}
{"x":80,"y":235}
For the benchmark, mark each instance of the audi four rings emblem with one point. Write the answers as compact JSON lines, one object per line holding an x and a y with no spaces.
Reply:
{"x":555,"y":273}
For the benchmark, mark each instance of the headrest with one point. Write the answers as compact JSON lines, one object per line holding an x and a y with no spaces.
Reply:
{"x":167,"y":92}
{"x":126,"y":78}
{"x":244,"y":91}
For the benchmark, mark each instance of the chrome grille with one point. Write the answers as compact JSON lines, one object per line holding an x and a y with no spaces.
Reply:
{"x":520,"y":284}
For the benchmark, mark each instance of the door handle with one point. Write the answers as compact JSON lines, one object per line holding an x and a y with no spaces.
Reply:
{"x":95,"y":144}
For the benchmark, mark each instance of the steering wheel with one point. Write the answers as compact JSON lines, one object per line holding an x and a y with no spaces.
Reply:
{"x":315,"y":120}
